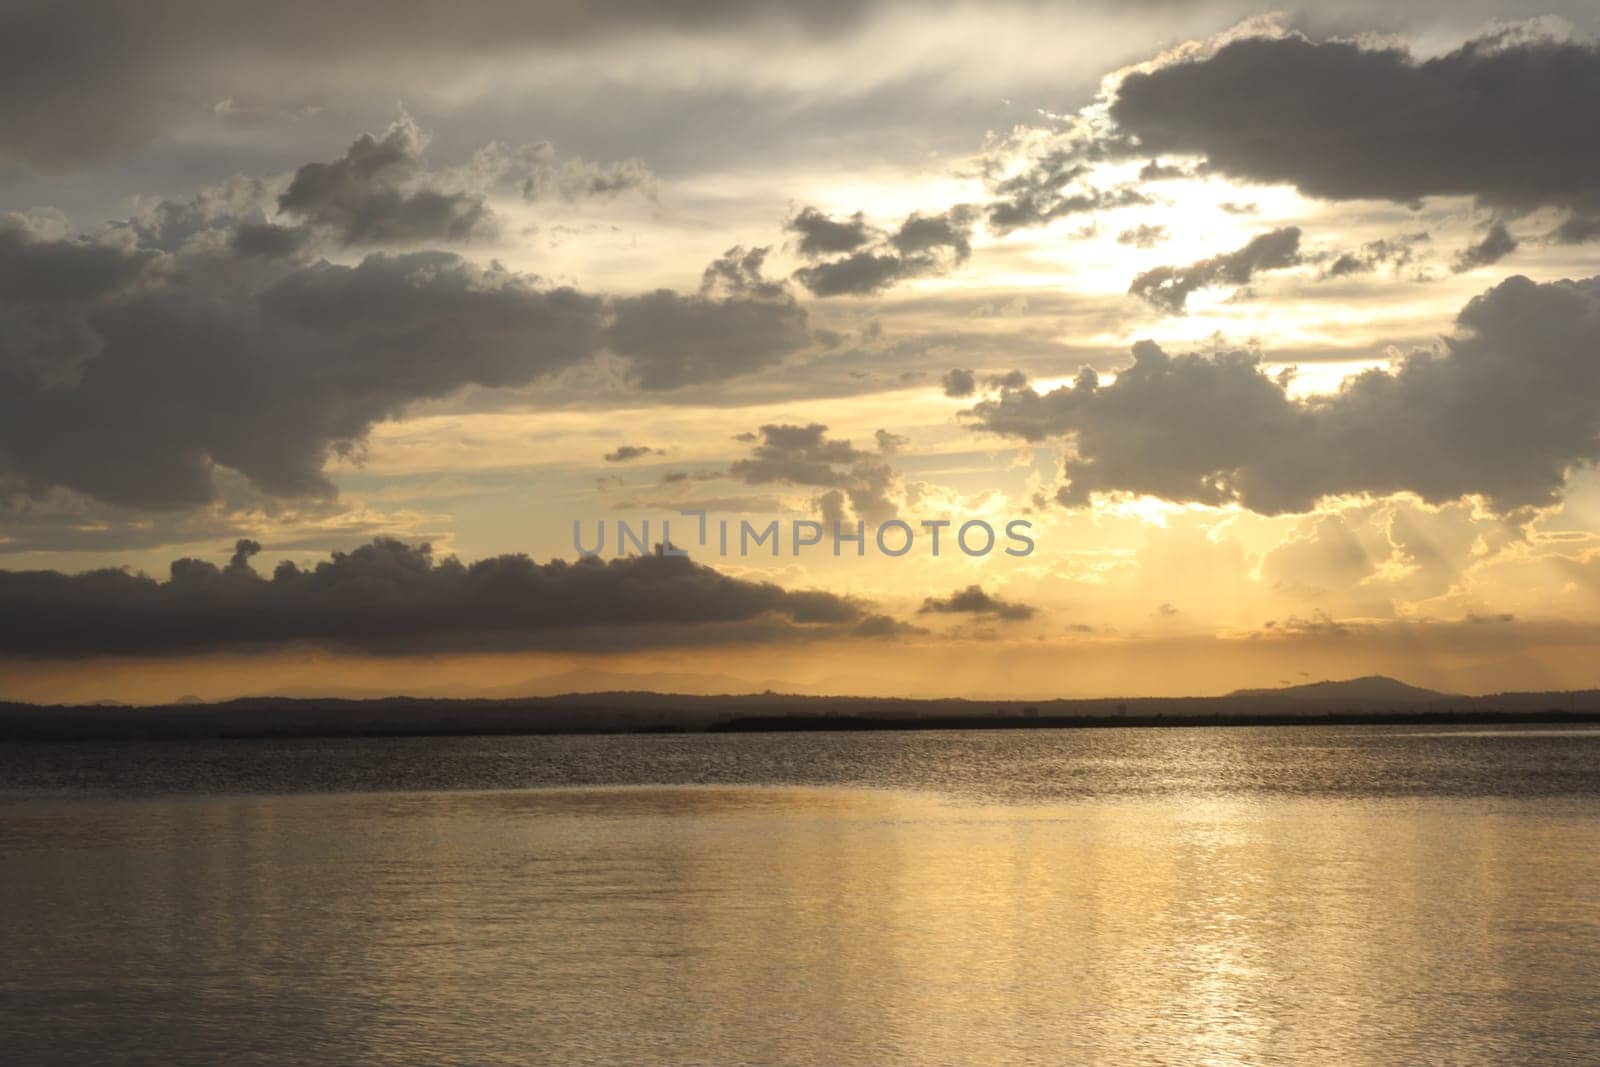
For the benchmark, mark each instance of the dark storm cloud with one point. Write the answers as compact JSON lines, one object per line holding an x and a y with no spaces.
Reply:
{"x":1507,"y":119}
{"x":269,"y":240}
{"x":36,"y":268}
{"x":267,"y":378}
{"x":1505,"y":411}
{"x":974,"y":601}
{"x":1168,"y":288}
{"x":131,"y":375}
{"x":922,"y":245}
{"x":1496,"y":244}
{"x":389,"y":597}
{"x":47,"y":286}
{"x":373,"y":195}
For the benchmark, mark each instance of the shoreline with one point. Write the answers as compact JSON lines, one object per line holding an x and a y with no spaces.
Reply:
{"x":651,"y":713}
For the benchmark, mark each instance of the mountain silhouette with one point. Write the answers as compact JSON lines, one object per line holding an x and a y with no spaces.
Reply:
{"x":1371,"y":687}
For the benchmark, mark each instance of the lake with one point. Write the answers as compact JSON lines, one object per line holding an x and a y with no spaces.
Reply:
{"x":1178,"y":895}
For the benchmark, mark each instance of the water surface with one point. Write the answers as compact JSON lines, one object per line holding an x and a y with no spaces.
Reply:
{"x":1274,"y":895}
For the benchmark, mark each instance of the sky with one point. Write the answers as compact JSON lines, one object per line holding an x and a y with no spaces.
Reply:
{"x":1265,"y":343}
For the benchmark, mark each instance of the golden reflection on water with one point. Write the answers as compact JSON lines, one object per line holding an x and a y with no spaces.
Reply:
{"x":807,"y":925}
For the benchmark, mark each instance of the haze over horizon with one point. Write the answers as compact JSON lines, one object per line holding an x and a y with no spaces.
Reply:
{"x":321,"y":331}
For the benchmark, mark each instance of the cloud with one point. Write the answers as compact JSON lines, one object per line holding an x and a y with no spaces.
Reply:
{"x":1509,"y":406}
{"x":1319,"y":624}
{"x":135,"y":375}
{"x":920,"y":234}
{"x":1577,"y":229}
{"x":738,"y":322}
{"x":1396,"y":556}
{"x":1143,"y":236}
{"x":80,"y":83}
{"x":959,"y":382}
{"x":824,"y":236}
{"x":1497,"y":244}
{"x":579,"y":179}
{"x":268,"y":240}
{"x":1395,"y":252}
{"x":1168,"y":288}
{"x":60,"y":520}
{"x":1156,"y":171}
{"x":381,"y":192}
{"x":1328,"y":555}
{"x":922,"y":245}
{"x":858,"y":274}
{"x":1051,"y":188}
{"x":799,"y":455}
{"x":1505,"y":118}
{"x":389,"y":597}
{"x":974,"y":601}
{"x":167,"y":225}
{"x":625,"y":453}
{"x":889,"y":442}
{"x":268,"y":378}
{"x":806,"y":456}
{"x":376,"y":194}
{"x":47,"y":286}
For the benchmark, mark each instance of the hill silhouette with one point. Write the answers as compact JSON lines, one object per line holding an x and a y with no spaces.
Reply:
{"x":1373,"y":687}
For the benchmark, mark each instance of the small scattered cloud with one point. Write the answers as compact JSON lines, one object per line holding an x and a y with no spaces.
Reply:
{"x":628,"y":453}
{"x":959,"y":383}
{"x":1143,"y":236}
{"x":974,"y":601}
{"x":1169,"y":288}
{"x":1495,"y":245}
